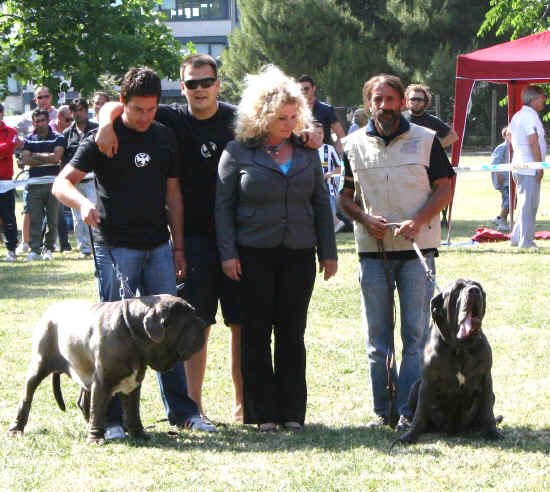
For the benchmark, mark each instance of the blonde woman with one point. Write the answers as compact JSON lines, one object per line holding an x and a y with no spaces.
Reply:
{"x":272,"y":215}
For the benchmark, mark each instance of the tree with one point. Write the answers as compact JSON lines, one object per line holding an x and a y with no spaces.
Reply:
{"x":516,"y":18}
{"x":82,"y":39}
{"x":431,"y":34}
{"x":317,"y":37}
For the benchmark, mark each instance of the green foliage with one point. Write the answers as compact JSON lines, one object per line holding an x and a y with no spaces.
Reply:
{"x":516,"y":18}
{"x":82,"y":39}
{"x":317,"y":37}
{"x":431,"y":34}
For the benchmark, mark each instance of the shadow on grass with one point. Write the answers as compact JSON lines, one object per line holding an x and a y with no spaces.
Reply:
{"x":47,"y":280}
{"x":318,"y":436}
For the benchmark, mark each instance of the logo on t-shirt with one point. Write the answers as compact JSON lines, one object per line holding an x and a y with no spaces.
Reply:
{"x":142,"y":159}
{"x":208,"y":149}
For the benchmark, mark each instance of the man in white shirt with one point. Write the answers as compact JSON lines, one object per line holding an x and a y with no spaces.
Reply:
{"x":529,"y":145}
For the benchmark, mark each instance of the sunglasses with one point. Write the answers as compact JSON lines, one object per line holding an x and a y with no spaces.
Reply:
{"x":43,"y":97}
{"x":68,"y":120}
{"x":416,"y":99}
{"x":192,"y":84}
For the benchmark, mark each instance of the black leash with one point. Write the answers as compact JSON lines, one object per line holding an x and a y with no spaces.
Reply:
{"x":390,"y":354}
{"x":429,"y":273}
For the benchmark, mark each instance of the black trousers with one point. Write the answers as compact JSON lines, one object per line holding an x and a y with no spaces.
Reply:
{"x":277,"y":284}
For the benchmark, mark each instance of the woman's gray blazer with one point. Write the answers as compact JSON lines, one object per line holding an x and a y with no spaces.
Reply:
{"x":258,"y":206}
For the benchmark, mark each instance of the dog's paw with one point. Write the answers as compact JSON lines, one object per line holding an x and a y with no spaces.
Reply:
{"x":98,"y":441}
{"x":144,"y":436}
{"x":493,"y":435}
{"x":15,"y":432}
{"x":406,"y":439}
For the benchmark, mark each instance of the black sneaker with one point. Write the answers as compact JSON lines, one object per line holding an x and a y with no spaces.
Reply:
{"x":379,"y":421}
{"x":403,"y":425}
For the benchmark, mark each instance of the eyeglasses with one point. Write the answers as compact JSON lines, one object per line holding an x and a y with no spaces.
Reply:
{"x":192,"y":84}
{"x":416,"y":99}
{"x":43,"y":97}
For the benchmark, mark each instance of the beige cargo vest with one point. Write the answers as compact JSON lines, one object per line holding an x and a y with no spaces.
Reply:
{"x":392,"y":181}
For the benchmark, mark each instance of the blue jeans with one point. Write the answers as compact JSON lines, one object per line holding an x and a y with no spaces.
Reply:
{"x":151,"y":272}
{"x":415,"y":292}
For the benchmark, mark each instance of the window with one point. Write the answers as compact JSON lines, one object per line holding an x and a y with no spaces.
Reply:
{"x":196,"y":9}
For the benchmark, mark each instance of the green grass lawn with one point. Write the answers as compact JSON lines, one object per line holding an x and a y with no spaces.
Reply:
{"x":336,"y":451}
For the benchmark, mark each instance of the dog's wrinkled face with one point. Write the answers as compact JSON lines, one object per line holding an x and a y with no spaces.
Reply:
{"x":170,"y":329}
{"x":459,"y":310}
{"x":184,"y":335}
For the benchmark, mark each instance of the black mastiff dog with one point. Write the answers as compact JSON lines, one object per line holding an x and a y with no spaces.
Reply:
{"x":106,"y":348}
{"x":455,"y":392}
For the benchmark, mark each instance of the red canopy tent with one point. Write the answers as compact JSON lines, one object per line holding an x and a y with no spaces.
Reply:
{"x":515,"y":63}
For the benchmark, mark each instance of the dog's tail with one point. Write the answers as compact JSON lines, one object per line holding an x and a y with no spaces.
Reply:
{"x":56,"y":385}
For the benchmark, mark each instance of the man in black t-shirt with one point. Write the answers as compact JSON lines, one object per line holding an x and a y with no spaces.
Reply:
{"x":138,"y":208}
{"x":419,"y":98}
{"x":202,"y":127}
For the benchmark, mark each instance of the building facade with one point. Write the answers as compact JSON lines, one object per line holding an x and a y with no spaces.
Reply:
{"x":206,"y":23}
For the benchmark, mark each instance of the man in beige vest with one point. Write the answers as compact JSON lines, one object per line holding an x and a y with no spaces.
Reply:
{"x":395,"y":172}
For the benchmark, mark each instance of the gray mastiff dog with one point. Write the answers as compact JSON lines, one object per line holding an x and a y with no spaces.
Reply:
{"x":105,"y":348}
{"x":455,"y":392}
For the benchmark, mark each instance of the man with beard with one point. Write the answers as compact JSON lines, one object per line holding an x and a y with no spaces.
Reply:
{"x":419,"y":98}
{"x":396,"y":181}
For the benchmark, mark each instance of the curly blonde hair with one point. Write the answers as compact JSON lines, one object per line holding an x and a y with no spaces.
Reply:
{"x":264,"y":95}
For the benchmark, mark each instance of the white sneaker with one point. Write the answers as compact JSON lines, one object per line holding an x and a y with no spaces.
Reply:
{"x":33,"y":256}
{"x":10,"y":256}
{"x":22,"y":248}
{"x":497,"y":221}
{"x":47,"y":255}
{"x":503,"y":227}
{"x":114,"y":432}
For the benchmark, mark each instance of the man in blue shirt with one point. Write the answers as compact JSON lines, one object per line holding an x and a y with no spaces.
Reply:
{"x":322,"y":112}
{"x":42,"y":151}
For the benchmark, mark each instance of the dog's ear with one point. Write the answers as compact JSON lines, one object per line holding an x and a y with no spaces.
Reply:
{"x":438,"y":310}
{"x":154,"y":325}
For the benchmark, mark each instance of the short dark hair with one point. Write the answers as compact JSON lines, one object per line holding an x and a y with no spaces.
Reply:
{"x":142,"y":81}
{"x":79,"y":101}
{"x":306,"y":78}
{"x":40,"y":112}
{"x":198,"y":60}
{"x":102,"y":94}
{"x":392,"y":80}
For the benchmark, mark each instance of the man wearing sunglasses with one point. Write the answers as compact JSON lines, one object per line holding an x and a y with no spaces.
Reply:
{"x":419,"y":98}
{"x":203,"y":127}
{"x":43,"y":99}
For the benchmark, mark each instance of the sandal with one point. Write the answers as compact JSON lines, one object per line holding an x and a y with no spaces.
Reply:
{"x":267,"y":427}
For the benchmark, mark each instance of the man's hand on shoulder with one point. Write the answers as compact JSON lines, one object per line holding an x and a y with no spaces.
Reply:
{"x":106,"y":138}
{"x":312,"y":140}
